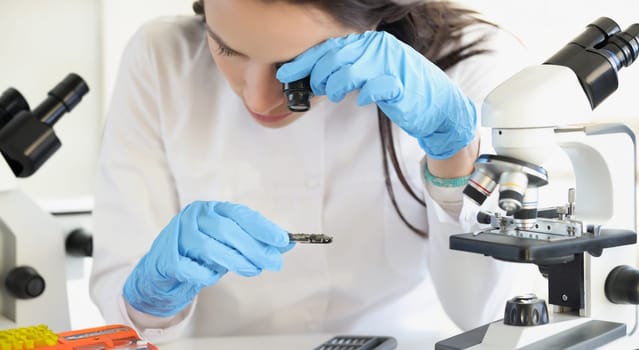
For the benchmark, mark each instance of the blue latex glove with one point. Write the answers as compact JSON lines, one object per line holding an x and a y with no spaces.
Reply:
{"x":200,"y":244}
{"x":412,"y":91}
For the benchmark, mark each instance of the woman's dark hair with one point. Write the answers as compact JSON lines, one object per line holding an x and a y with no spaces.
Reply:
{"x":434,"y":28}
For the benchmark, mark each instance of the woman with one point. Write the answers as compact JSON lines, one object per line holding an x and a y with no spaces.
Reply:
{"x":199,"y":135}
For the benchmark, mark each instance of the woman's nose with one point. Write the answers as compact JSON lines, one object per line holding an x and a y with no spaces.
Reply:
{"x":262,"y":91}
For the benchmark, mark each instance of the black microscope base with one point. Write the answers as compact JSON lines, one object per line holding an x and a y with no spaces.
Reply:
{"x":589,"y":335}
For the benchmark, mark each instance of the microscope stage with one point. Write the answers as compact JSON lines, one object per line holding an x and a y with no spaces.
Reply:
{"x":528,"y":250}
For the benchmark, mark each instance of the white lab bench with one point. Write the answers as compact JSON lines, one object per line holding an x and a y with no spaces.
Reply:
{"x":311,"y":341}
{"x":293,"y":342}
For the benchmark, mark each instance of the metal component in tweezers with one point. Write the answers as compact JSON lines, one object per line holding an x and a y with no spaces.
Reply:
{"x":315,"y":238}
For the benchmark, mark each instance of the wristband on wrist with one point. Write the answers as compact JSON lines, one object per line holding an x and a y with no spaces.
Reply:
{"x":444,"y":182}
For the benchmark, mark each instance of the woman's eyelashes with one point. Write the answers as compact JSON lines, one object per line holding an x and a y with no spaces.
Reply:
{"x":225,"y":51}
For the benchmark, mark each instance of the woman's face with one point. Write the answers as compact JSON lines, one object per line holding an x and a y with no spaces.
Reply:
{"x":247,"y":38}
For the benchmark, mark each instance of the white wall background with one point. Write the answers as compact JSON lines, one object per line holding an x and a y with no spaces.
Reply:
{"x":43,"y":40}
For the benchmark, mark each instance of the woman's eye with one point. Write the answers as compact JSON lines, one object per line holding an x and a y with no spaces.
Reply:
{"x":225,"y":51}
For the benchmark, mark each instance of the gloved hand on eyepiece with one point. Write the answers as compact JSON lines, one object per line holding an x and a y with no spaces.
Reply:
{"x":412,"y":91}
{"x":201,"y":244}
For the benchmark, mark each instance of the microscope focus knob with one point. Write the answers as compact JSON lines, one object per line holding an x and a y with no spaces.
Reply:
{"x":79,"y":243}
{"x":24,"y":282}
{"x":526,"y":310}
{"x":622,"y":285}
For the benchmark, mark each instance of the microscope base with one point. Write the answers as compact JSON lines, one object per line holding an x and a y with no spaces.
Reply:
{"x":574,"y":333}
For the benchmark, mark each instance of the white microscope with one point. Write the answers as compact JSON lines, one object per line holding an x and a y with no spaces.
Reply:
{"x":589,"y":267}
{"x":32,"y":242}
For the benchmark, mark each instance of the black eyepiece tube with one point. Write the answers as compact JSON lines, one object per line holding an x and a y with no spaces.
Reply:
{"x":61,"y":99}
{"x":298,"y":94}
{"x":622,"y":48}
{"x":11,"y":103}
{"x":597,"y":55}
{"x":28,"y":139}
{"x":596,"y":33}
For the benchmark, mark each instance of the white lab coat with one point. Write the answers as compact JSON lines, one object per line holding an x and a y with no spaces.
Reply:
{"x":177,"y":133}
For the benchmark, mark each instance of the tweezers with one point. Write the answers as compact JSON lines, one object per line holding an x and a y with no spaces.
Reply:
{"x":314,"y":238}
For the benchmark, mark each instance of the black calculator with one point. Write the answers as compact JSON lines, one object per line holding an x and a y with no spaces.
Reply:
{"x":357,"y":342}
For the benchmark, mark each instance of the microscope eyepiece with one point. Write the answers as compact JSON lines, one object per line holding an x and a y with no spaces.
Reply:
{"x":622,"y":48}
{"x":298,"y":94}
{"x":27,"y":138}
{"x":597,"y":32}
{"x":597,"y":54}
{"x":61,"y":99}
{"x":11,"y":103}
